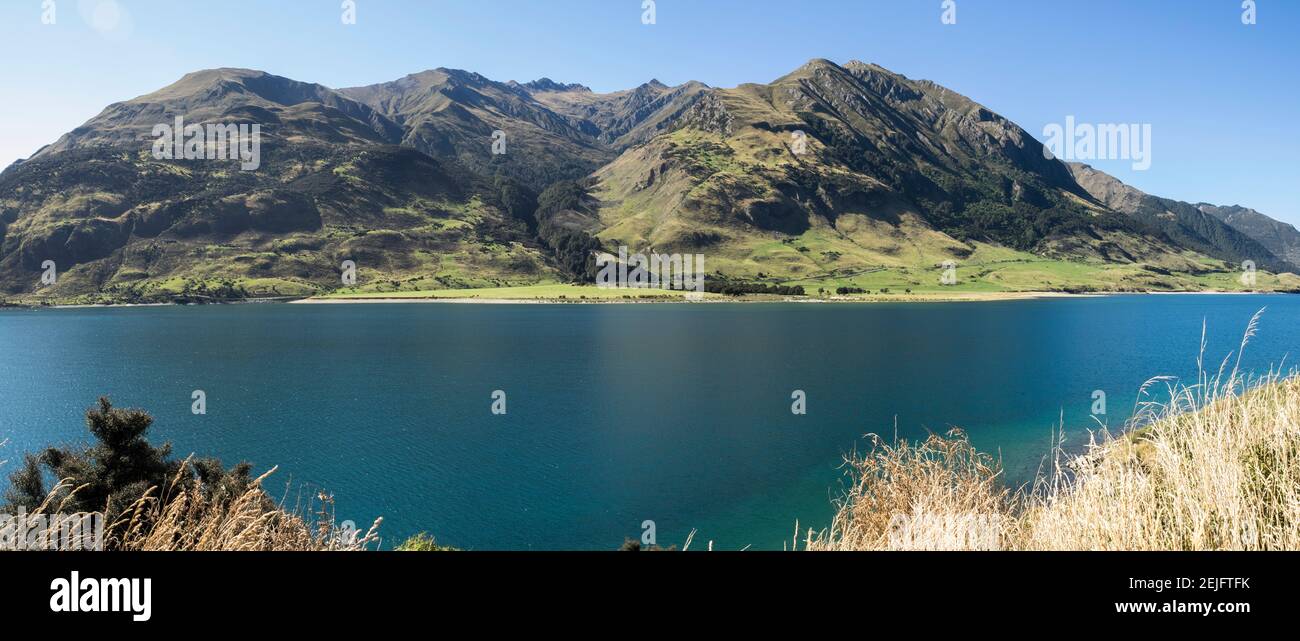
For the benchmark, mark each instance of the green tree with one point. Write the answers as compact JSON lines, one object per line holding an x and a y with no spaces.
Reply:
{"x":117,"y":469}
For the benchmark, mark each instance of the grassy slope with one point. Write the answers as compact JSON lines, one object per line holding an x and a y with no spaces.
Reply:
{"x":1214,"y":470}
{"x":423,"y":241}
{"x":552,"y":291}
{"x":646,"y":203}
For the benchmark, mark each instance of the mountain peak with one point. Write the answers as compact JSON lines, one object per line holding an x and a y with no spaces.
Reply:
{"x":859,"y":67}
{"x":225,"y":72}
{"x":817,"y":67}
{"x":817,"y":63}
{"x":208,"y":85}
{"x":546,"y":84}
{"x":204,"y":78}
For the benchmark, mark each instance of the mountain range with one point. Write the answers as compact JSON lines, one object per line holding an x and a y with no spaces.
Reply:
{"x":832,"y":175}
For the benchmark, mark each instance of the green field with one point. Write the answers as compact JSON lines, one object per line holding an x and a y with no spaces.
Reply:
{"x":552,"y":291}
{"x":990,"y":272}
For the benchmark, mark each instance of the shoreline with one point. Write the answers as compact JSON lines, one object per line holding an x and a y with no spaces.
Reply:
{"x":971,"y":297}
{"x":711,"y":299}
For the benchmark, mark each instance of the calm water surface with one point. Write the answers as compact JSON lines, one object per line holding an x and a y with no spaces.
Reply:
{"x":617,"y":414}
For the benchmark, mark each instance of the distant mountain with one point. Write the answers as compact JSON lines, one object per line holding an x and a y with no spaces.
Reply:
{"x":622,"y":118}
{"x":452,"y":114}
{"x":1196,"y":227}
{"x":1276,"y":236}
{"x":830,"y":174}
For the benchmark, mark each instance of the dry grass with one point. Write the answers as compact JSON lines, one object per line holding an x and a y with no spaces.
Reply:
{"x":1215,"y":467}
{"x":191,"y":520}
{"x":189,"y":517}
{"x":932,"y":495}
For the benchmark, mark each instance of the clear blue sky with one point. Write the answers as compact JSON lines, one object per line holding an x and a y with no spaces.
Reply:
{"x":1223,"y":98}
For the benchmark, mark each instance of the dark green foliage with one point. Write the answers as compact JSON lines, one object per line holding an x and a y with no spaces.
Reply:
{"x":633,"y":545}
{"x":566,"y":194}
{"x":741,"y":289}
{"x":574,"y":249}
{"x":515,"y":200}
{"x":422,"y":542}
{"x":1194,"y":229}
{"x":843,"y":291}
{"x":194,"y":291}
{"x":117,"y":470}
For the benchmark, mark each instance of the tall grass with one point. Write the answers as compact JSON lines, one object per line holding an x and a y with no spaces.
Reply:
{"x":1216,"y":466}
{"x":190,"y":517}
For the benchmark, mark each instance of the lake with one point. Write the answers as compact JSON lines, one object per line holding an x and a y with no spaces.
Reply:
{"x":615,"y":414}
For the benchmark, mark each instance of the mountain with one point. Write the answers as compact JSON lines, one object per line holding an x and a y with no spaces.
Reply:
{"x":333,"y":185}
{"x":452,"y":114}
{"x":1196,"y":227}
{"x":294,"y":108}
{"x":1276,"y":236}
{"x":895,"y":173}
{"x":622,"y":118}
{"x":829,"y":176}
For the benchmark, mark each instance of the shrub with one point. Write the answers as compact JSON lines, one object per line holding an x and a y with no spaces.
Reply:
{"x":422,"y":542}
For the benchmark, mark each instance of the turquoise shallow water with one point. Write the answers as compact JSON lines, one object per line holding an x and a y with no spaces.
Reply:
{"x":617,"y":414}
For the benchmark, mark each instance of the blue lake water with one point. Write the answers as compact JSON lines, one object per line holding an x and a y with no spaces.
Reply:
{"x":616,"y":414}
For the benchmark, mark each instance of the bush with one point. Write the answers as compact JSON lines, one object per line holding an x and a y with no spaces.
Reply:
{"x":117,"y":470}
{"x":422,"y":542}
{"x":741,"y":289}
{"x":151,"y":502}
{"x":633,"y":545}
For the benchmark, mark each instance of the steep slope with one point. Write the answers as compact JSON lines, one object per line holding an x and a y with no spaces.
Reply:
{"x":283,"y":107}
{"x":1276,"y":236}
{"x":836,"y":170}
{"x":332,"y":186}
{"x":623,"y":118}
{"x":453,"y":115}
{"x":1186,"y":224}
